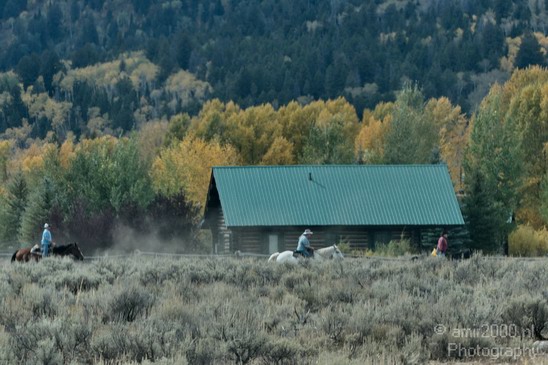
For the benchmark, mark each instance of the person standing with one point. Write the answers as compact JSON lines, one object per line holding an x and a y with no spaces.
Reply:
{"x":46,"y":240}
{"x":442,"y":244}
{"x":303,"y":246}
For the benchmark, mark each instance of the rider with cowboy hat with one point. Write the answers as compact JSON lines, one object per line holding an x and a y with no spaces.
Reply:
{"x":46,"y":240}
{"x":303,"y":246}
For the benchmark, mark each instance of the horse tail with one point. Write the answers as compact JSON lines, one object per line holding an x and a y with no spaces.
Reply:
{"x":14,"y":255}
{"x":273,"y":257}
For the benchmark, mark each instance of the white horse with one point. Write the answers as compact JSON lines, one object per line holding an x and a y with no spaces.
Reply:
{"x":331,"y":252}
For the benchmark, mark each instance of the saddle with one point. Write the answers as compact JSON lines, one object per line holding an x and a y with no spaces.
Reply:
{"x":296,"y":254}
{"x":36,"y":250}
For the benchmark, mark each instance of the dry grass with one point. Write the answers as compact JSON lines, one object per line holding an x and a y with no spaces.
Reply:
{"x":246,"y":311}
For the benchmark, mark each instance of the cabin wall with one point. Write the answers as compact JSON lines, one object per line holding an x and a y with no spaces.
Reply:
{"x":267,"y":240}
{"x":221,"y":235}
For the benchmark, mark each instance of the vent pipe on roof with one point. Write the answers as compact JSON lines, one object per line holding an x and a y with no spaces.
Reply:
{"x":310,"y":176}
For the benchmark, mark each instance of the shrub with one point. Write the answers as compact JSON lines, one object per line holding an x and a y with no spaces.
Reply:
{"x":525,"y":241}
{"x":111,"y":343}
{"x":130,"y":303}
{"x":394,"y":248}
{"x":529,"y":315}
{"x":77,"y":281}
{"x":204,"y":351}
{"x":344,"y":247}
{"x":281,"y":351}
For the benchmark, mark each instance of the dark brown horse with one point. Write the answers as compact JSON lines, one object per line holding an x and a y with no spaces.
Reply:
{"x":71,"y":250}
{"x":26,"y":254}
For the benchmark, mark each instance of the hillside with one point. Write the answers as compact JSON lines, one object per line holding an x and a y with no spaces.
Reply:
{"x":116,"y":64}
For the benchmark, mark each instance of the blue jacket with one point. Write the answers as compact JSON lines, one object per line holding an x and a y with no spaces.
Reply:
{"x":304,"y":243}
{"x":46,"y":238}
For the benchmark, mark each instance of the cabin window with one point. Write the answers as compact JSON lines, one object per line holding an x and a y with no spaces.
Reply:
{"x":273,"y":243}
{"x":382,"y":237}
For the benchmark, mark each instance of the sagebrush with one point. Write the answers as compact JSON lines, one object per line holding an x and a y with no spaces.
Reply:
{"x":222,"y":310}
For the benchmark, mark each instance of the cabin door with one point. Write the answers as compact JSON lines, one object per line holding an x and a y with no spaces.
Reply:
{"x":273,"y":243}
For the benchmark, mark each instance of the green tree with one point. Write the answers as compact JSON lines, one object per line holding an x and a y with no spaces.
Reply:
{"x":177,"y":129}
{"x":12,"y":107}
{"x":123,"y":105}
{"x":330,"y":138}
{"x":28,"y":69}
{"x":327,"y":145}
{"x":105,"y":183}
{"x":51,"y":64}
{"x":130,"y":183}
{"x":529,"y":52}
{"x":183,"y":49}
{"x":479,"y":214}
{"x":37,"y":212}
{"x":493,"y":167}
{"x":412,"y":137}
{"x":12,"y":207}
{"x":54,"y":21}
{"x":544,"y":198}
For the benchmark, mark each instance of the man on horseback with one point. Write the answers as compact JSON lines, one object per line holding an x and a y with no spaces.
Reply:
{"x":303,"y":246}
{"x":46,"y":240}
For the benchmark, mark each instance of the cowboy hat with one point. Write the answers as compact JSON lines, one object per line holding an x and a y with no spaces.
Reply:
{"x":307,"y":231}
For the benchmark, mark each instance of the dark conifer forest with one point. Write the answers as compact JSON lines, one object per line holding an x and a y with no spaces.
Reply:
{"x":259,"y":51}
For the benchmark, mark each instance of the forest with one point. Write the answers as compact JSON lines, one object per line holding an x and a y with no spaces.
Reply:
{"x":155,"y":179}
{"x":112,"y":112}
{"x":122,"y":63}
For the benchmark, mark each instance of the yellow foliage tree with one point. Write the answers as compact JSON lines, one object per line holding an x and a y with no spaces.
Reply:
{"x":5,"y":153}
{"x":31,"y":161}
{"x":526,"y":241}
{"x":369,"y":143}
{"x":296,"y":122}
{"x":452,"y":126}
{"x":104,"y":145}
{"x":335,"y":124}
{"x":66,"y":153}
{"x":42,"y":106}
{"x":184,"y":87}
{"x":211,"y":122}
{"x":279,"y":153}
{"x":525,"y":103}
{"x":187,"y":167}
{"x":151,"y":137}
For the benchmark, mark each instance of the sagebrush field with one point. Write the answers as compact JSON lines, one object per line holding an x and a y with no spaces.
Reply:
{"x":246,"y":311}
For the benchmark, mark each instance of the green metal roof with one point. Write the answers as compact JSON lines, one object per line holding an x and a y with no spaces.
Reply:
{"x":335,"y":195}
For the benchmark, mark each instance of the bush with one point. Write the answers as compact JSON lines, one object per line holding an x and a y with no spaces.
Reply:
{"x":525,"y":241}
{"x":529,"y":315}
{"x":77,"y":281}
{"x":130,"y":303}
{"x":394,"y":248}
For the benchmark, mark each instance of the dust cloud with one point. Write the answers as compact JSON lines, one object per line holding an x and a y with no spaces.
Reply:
{"x":129,"y":241}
